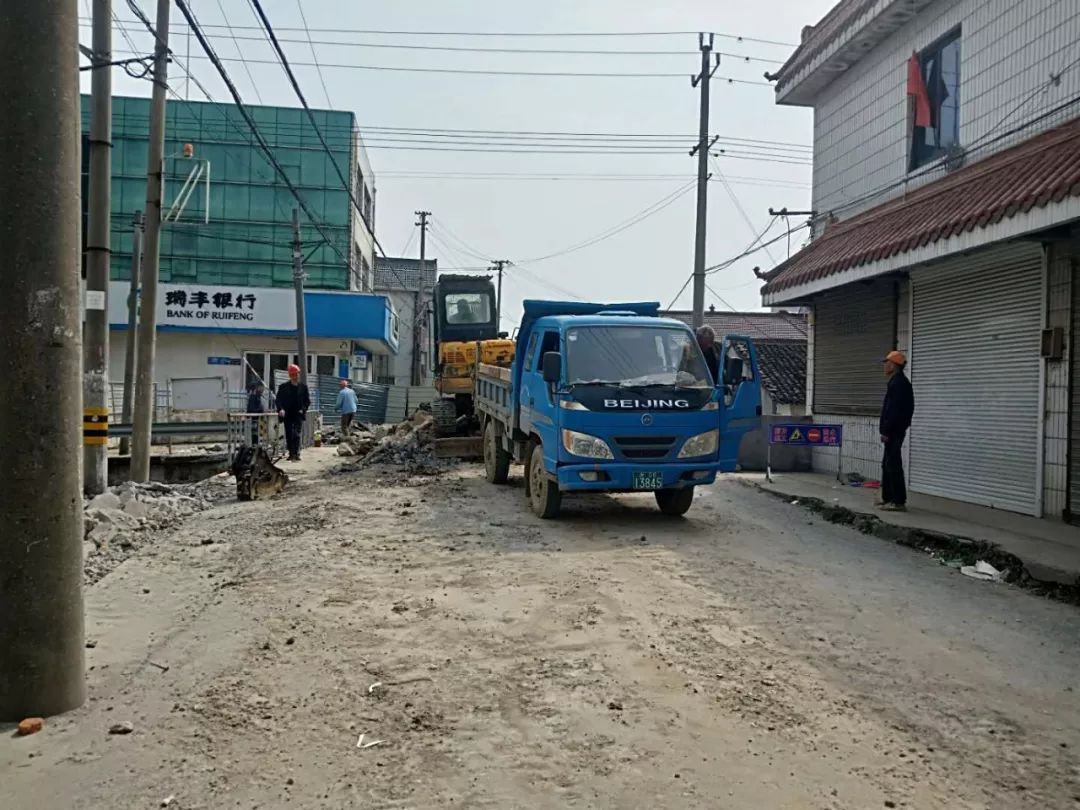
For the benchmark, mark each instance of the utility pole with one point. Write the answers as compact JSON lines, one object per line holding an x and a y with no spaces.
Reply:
{"x":499,"y":265}
{"x":701,"y":81}
{"x":143,"y":416}
{"x":98,"y":259}
{"x":298,"y":285}
{"x":41,"y":551}
{"x":419,"y":308}
{"x":132,"y":321}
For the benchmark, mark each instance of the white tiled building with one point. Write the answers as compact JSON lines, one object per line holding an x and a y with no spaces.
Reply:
{"x":946,"y":182}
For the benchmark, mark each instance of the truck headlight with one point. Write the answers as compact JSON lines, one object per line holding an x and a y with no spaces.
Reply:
{"x":704,"y":444}
{"x":584,"y":445}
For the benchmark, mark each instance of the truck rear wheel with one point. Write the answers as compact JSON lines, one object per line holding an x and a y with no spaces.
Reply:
{"x":675,"y":502}
{"x":544,"y":496}
{"x":496,"y":459}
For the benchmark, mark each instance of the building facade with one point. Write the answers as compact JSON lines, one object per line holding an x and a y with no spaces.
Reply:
{"x":410,"y":287}
{"x":226,"y":304}
{"x":947,"y":224}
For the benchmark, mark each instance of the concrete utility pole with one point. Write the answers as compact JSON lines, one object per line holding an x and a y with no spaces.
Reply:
{"x":132,"y":321}
{"x":419,"y":308}
{"x":98,"y":259}
{"x":143,"y":416}
{"x":705,"y":42}
{"x":298,"y":285}
{"x":499,"y":265}
{"x":41,"y":563}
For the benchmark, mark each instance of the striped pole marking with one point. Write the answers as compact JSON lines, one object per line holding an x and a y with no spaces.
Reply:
{"x":95,"y":426}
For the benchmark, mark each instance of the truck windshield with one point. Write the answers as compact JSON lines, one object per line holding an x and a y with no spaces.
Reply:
{"x":632,"y":356}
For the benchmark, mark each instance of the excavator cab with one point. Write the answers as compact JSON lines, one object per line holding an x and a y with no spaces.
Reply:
{"x":466,"y":330}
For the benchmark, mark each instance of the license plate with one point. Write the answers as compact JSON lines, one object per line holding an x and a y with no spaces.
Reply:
{"x":647,"y":480}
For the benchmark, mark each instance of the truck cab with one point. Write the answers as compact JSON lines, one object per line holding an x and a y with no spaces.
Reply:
{"x":618,"y":399}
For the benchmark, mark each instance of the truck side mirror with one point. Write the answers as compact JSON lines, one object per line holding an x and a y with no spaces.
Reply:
{"x":552,"y":367}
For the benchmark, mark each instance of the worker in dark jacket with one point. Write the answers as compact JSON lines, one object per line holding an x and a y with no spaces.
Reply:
{"x":896,"y":413}
{"x":293,"y":402}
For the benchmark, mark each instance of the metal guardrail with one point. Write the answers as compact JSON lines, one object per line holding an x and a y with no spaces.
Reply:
{"x":174,"y":429}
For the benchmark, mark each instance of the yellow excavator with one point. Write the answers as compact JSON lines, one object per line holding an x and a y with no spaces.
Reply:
{"x":466,"y":332}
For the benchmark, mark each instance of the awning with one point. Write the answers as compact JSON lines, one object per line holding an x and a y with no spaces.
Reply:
{"x":1032,"y":175}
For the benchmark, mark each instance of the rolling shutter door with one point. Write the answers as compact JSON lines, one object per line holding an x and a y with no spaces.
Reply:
{"x":975,"y":369}
{"x":854,"y":327}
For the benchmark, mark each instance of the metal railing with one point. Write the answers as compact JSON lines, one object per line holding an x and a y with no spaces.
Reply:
{"x":264,"y":429}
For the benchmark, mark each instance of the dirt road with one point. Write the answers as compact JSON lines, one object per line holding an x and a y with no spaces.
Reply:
{"x":749,"y":656}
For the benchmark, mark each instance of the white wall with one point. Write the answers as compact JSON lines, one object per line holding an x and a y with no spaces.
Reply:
{"x":184,"y":354}
{"x":1009,"y":48}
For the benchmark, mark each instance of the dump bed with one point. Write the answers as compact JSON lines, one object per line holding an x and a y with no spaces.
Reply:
{"x":492,"y":395}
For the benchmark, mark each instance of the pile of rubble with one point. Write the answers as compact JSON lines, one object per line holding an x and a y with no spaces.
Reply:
{"x":409,"y":444}
{"x":122,"y":518}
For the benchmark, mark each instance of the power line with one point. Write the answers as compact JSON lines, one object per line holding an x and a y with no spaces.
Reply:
{"x":522,"y":51}
{"x":590,"y":176}
{"x":314,"y":55}
{"x":345,"y":183}
{"x":260,"y":141}
{"x":247,"y":69}
{"x":738,"y":204}
{"x":642,"y":215}
{"x":482,"y":72}
{"x":529,"y":34}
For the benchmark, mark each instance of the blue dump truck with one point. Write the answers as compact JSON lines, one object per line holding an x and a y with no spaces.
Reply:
{"x":614,"y":398}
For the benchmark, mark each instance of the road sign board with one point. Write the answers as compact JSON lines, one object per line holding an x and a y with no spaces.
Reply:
{"x":807,"y":435}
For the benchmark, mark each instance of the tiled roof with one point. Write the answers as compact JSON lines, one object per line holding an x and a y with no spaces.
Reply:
{"x":755,"y":325}
{"x":783,"y":370}
{"x":1034,"y":173}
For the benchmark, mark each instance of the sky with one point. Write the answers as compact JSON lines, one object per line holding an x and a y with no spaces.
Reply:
{"x":543,"y":222}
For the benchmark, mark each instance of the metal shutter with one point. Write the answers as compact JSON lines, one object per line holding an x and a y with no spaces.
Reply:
{"x":854,"y":327}
{"x":975,"y":368}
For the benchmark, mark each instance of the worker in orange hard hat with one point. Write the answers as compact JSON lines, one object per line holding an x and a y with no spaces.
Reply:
{"x":896,"y":413}
{"x":293,"y":402}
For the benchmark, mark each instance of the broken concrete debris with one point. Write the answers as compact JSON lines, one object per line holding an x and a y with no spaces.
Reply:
{"x":124,"y":727}
{"x":409,"y":444}
{"x":127,"y":515}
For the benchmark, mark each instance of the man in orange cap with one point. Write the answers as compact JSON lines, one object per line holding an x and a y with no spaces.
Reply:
{"x":293,"y":402}
{"x":896,"y":413}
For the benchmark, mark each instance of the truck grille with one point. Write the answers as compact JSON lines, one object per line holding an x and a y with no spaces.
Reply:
{"x":645,"y":446}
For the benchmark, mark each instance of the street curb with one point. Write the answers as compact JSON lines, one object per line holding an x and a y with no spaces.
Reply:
{"x":1045,"y":581}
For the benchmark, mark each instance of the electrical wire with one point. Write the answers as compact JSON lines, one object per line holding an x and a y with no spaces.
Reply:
{"x":314,"y":55}
{"x":747,"y":58}
{"x":528,"y":34}
{"x":345,"y":183}
{"x":239,"y":52}
{"x":482,"y":72}
{"x":260,"y":140}
{"x":738,"y":204}
{"x":637,"y":218}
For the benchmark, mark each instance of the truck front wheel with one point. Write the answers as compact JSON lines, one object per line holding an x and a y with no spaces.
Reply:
{"x":496,"y":459}
{"x":544,"y":496}
{"x":675,"y":502}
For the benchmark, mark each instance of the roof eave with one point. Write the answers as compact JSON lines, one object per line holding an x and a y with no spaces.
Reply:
{"x":801,"y":80}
